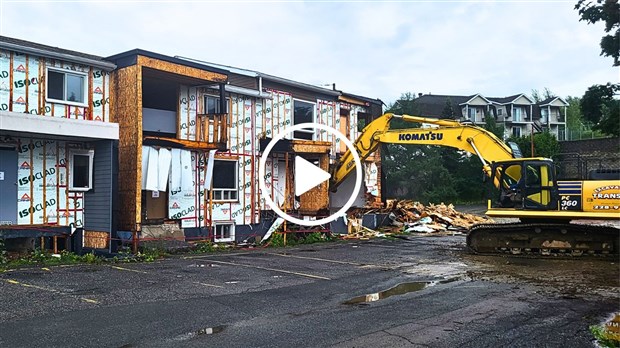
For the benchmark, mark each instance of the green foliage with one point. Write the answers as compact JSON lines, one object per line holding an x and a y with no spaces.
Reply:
{"x":546,"y":94}
{"x":603,"y":337}
{"x":3,"y":257}
{"x":607,"y":11}
{"x":429,"y":173}
{"x":545,"y":145}
{"x":610,"y":123}
{"x":600,"y":109}
{"x":46,"y":258}
{"x":292,"y":239}
{"x":574,"y":118}
{"x":492,"y":126}
{"x":448,"y":110}
{"x":150,"y":254}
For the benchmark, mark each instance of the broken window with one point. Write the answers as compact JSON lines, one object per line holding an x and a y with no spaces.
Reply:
{"x":303,"y":112}
{"x":224,"y":231}
{"x":225,"y":180}
{"x":65,"y":86}
{"x":81,"y":170}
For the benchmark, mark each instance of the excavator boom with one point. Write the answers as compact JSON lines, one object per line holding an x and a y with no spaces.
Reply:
{"x":451,"y":133}
{"x":528,"y":190}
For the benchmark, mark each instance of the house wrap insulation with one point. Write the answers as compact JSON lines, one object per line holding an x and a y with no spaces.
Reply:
{"x":43,"y":196}
{"x":250,"y":119}
{"x":22,"y":88}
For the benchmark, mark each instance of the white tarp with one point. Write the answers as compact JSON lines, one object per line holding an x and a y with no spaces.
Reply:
{"x":209,"y":173}
{"x":165,"y":158}
{"x":152,"y":170}
{"x":187,"y":178}
{"x":175,"y":170}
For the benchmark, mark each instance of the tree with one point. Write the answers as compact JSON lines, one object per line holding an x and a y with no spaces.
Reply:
{"x":599,"y":108}
{"x":574,"y":119}
{"x":546,"y":94}
{"x":448,"y":110}
{"x":545,"y":144}
{"x":492,"y":126}
{"x":607,"y":11}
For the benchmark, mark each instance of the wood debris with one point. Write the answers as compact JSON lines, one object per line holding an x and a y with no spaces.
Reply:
{"x":407,"y":216}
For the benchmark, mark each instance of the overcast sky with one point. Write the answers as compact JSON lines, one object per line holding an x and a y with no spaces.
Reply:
{"x":378,"y":49}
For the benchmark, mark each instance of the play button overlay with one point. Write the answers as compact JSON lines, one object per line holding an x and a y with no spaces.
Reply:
{"x":308,"y":176}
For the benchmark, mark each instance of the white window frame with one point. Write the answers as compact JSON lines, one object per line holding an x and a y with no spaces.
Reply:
{"x":544,"y":115}
{"x":223,"y":191}
{"x":513,"y":132}
{"x":230,"y":238}
{"x":72,"y":154}
{"x":500,"y":111}
{"x":517,"y":117}
{"x":65,"y":72}
{"x":313,"y":132}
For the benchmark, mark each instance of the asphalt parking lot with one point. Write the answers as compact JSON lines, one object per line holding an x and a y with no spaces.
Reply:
{"x":425,"y":291}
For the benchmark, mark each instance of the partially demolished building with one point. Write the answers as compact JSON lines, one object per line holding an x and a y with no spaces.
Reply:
{"x":147,"y":126}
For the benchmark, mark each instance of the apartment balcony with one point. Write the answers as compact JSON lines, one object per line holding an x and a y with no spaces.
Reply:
{"x":208,"y":131}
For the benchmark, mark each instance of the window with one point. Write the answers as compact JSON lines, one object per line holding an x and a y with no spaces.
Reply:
{"x":516,"y":132}
{"x":224,"y":231}
{"x":66,"y":86}
{"x":544,"y":113}
{"x":225,"y":180}
{"x":212,"y":105}
{"x":500,"y":112}
{"x":472,"y":114}
{"x":81,"y":170}
{"x":303,"y":112}
{"x":517,"y":114}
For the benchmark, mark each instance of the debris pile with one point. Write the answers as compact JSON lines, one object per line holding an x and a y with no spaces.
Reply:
{"x":407,"y":216}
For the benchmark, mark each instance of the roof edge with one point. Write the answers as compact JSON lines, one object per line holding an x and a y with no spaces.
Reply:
{"x":103,"y":64}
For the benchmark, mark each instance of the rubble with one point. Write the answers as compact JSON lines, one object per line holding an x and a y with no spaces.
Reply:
{"x":407,"y":216}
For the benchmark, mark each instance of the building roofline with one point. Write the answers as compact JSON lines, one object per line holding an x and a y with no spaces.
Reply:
{"x":165,"y":58}
{"x":29,"y":47}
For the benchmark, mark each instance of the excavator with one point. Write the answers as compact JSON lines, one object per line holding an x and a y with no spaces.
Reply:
{"x":549,"y":211}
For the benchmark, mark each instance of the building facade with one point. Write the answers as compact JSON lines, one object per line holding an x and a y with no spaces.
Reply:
{"x":58,"y":139}
{"x":519,"y":114}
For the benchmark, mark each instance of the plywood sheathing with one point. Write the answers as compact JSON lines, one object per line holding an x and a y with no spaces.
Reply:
{"x":180,"y":69}
{"x":317,"y":199}
{"x":308,"y":146}
{"x":352,"y":101}
{"x":127,"y":93}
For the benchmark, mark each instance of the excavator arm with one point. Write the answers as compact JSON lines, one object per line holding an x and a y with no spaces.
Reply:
{"x":451,"y":133}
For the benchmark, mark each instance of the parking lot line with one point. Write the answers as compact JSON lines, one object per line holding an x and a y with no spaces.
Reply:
{"x":26,"y":285}
{"x":210,"y":285}
{"x":212,"y":255}
{"x":320,"y":259}
{"x":271,"y":269}
{"x":128,"y":269}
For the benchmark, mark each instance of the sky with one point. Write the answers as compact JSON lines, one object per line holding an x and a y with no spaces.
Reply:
{"x":378,"y":49}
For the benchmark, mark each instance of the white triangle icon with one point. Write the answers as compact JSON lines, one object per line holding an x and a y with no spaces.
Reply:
{"x":308,"y":176}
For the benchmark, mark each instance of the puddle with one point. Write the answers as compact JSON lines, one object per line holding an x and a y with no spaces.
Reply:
{"x":400,"y":289}
{"x":206,"y":331}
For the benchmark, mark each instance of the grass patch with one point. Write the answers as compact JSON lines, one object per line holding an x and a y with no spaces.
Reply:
{"x":603,"y":337}
{"x":277,"y":239}
{"x":45,"y":258}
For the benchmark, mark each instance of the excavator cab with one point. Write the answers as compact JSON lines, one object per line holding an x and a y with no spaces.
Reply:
{"x":526,"y":183}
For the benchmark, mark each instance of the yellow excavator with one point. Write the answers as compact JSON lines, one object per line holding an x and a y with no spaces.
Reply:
{"x":527,"y":190}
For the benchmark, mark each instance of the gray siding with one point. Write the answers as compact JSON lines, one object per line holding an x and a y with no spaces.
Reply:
{"x":98,"y":201}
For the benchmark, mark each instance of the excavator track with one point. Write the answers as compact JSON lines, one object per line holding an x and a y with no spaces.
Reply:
{"x":544,"y":239}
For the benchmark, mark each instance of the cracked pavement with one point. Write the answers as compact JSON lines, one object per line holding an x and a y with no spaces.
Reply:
{"x":285,"y":297}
